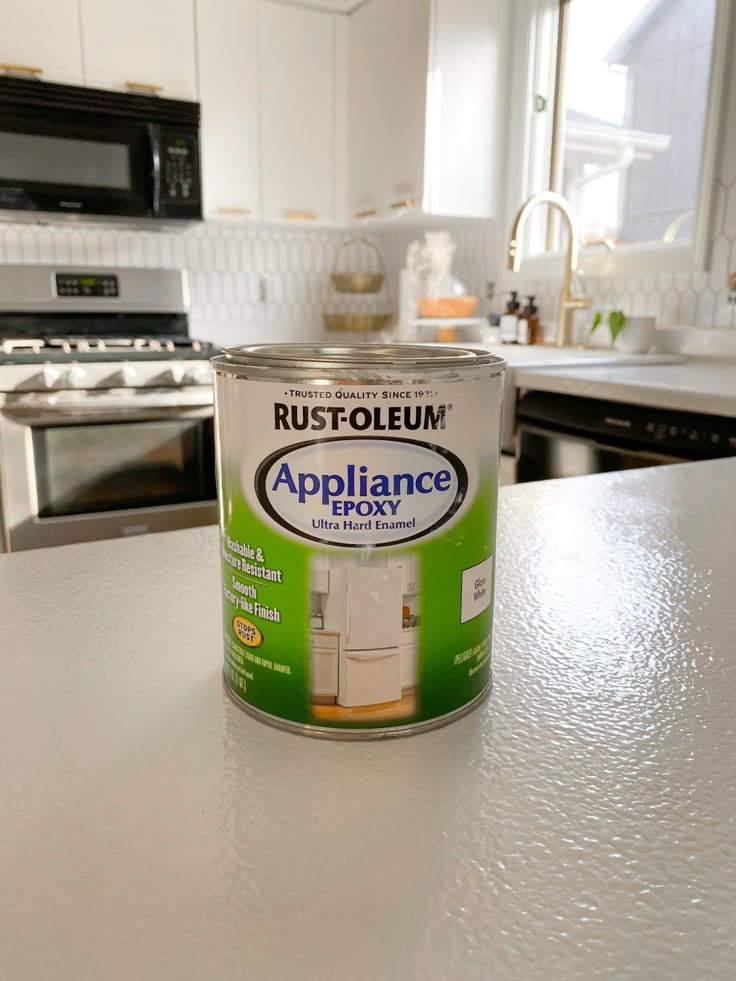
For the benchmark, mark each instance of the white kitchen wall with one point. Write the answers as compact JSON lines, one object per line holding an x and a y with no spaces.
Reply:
{"x":253,"y":282}
{"x":476,"y":259}
{"x":229,"y":266}
{"x":249,"y":282}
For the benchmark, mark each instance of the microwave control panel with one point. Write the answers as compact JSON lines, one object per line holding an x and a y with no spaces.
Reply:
{"x":179,"y":168}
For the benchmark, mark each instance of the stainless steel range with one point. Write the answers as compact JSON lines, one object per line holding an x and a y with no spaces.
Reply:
{"x":105,"y":406}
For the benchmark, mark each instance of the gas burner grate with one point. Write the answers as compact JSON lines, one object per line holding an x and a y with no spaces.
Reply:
{"x":17,"y":345}
{"x":126,"y":347}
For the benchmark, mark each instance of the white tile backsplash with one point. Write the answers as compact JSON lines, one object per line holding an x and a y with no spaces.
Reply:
{"x":226,"y":261}
{"x":697,"y":299}
{"x":231,"y":265}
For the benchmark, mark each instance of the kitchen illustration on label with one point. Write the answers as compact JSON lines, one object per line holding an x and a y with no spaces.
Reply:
{"x":363,"y":637}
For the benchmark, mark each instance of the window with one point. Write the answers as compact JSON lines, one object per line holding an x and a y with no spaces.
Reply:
{"x":625,"y":121}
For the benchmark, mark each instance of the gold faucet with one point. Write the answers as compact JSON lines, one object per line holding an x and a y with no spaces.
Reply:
{"x":568,"y":303}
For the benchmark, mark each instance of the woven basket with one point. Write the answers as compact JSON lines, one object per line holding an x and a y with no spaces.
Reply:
{"x":357,"y":321}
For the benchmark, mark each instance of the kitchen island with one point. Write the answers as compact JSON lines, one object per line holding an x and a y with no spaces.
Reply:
{"x":579,"y":825}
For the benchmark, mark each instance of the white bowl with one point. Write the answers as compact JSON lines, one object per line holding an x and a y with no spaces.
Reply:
{"x":636,"y":336}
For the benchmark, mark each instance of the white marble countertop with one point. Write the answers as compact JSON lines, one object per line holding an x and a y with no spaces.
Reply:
{"x":521,"y":358}
{"x":698,"y":385}
{"x":579,"y":825}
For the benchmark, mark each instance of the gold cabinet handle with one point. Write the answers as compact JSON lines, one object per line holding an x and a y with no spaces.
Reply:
{"x":368,"y":213}
{"x":301,"y":215}
{"x":404,"y":203}
{"x":144,"y":87}
{"x":13,"y":69}
{"x":233,"y":211}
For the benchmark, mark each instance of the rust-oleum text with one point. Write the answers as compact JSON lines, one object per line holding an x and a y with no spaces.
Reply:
{"x":376,"y":419}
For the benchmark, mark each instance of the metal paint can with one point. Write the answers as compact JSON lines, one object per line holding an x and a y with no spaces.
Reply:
{"x":358,"y":491}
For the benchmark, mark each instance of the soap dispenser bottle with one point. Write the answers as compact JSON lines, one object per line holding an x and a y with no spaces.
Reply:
{"x":531,"y":319}
{"x":510,"y":320}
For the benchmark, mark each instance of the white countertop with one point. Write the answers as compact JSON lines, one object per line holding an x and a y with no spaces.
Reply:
{"x":538,"y":355}
{"x":579,"y":825}
{"x":522,"y":358}
{"x":698,"y":385}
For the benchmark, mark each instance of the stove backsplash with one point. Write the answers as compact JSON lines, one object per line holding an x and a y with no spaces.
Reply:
{"x":248,"y":282}
{"x":253,"y":282}
{"x":242,"y":277}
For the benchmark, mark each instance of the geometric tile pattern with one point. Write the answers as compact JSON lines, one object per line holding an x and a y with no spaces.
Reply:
{"x":697,"y":298}
{"x":243,"y":276}
{"x":239,"y":273}
{"x":246,"y":276}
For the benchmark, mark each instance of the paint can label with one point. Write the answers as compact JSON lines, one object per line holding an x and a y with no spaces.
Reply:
{"x":358,"y":529}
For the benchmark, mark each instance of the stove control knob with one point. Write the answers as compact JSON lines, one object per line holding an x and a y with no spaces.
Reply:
{"x":173,"y":374}
{"x":123,"y":377}
{"x":75,"y":377}
{"x":46,"y":378}
{"x":199,"y":374}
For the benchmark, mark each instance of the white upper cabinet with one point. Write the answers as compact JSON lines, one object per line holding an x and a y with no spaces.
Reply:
{"x":297,"y":60}
{"x":148,"y":42}
{"x":467,"y":101}
{"x":427,"y":105}
{"x":42,"y":34}
{"x":228,"y":80}
{"x":387,"y":64}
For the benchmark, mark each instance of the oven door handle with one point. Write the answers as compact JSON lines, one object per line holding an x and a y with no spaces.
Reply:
{"x":85,"y":414}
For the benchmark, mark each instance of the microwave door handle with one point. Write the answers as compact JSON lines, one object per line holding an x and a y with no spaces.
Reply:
{"x":154,"y":139}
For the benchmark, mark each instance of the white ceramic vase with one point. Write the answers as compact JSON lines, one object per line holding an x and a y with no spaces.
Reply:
{"x":637,"y":335}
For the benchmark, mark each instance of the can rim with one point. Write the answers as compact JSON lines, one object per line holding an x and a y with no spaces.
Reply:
{"x":304,"y":355}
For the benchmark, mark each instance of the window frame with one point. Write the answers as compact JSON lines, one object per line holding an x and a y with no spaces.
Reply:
{"x":536,"y":72}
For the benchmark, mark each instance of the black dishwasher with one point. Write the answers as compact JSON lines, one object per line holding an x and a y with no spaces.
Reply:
{"x":568,"y":436}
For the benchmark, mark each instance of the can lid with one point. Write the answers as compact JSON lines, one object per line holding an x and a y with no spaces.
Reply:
{"x":362,"y":355}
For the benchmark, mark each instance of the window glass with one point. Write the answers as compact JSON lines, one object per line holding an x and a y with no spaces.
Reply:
{"x":635,"y":90}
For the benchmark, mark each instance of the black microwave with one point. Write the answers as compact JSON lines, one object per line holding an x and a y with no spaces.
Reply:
{"x":92,"y":154}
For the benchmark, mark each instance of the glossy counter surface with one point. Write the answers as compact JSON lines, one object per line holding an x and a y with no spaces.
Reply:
{"x":579,"y":825}
{"x":699,"y":385}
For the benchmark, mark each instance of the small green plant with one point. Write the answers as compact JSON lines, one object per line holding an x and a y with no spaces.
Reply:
{"x":616,"y":323}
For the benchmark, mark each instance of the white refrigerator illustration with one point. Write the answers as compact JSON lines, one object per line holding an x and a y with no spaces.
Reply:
{"x":370,"y":655}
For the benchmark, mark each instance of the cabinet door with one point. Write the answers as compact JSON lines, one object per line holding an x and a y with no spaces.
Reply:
{"x":228,"y":80}
{"x":296,"y":63}
{"x":42,"y":34}
{"x":388,"y":46}
{"x":145,"y":41}
{"x":324,"y":671}
{"x":409,"y":575}
{"x":320,"y":574}
{"x":467,"y":107}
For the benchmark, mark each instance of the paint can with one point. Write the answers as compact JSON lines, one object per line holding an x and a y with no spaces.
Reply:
{"x":358,"y":491}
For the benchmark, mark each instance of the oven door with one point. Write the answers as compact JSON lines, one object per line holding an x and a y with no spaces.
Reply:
{"x":546,"y":453}
{"x":78,"y":163}
{"x":79,"y":466}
